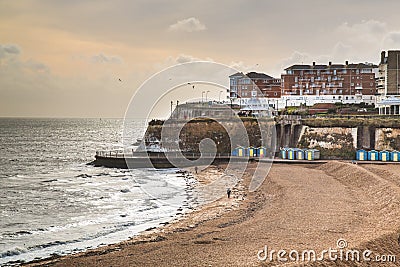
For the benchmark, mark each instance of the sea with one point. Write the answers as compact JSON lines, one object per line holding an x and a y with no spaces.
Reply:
{"x":52,"y":202}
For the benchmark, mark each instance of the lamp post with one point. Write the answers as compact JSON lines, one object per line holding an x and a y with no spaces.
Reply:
{"x":219,"y":98}
{"x":207,"y":94}
{"x":202,"y":95}
{"x":177,"y":110}
{"x":172,"y":103}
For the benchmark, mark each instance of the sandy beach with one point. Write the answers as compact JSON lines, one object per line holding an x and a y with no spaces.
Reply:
{"x":298,"y":207}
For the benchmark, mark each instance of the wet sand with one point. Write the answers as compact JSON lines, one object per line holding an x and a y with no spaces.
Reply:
{"x":298,"y":207}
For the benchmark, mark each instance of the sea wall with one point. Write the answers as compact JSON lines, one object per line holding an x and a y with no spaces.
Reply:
{"x":337,"y":139}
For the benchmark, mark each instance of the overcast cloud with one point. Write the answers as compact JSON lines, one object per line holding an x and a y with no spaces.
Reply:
{"x":65,"y":58}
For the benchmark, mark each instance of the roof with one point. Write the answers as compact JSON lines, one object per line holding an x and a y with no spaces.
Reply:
{"x":256,"y":75}
{"x":239,"y":74}
{"x":333,"y":66}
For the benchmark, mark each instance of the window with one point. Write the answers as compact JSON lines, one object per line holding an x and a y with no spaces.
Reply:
{"x":253,"y":93}
{"x":296,"y":79}
{"x":340,"y":84}
{"x":334,"y":72}
{"x":275,"y":94}
{"x":312,"y":79}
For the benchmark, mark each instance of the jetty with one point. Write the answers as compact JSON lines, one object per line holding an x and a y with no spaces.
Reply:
{"x":160,"y":160}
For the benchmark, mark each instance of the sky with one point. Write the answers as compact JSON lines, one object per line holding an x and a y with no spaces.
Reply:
{"x":88,"y":58}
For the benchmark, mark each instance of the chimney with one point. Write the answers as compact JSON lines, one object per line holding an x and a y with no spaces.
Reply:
{"x":330,"y":63}
{"x":313,"y":63}
{"x":347,"y":62}
{"x":383,"y":55}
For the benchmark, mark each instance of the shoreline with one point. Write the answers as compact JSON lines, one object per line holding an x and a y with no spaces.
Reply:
{"x":183,"y":222}
{"x":297,"y":207}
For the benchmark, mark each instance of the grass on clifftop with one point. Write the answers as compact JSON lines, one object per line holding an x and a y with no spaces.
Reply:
{"x":350,"y":122}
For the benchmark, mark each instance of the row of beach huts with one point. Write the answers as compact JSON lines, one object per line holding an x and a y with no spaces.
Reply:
{"x":375,"y":155}
{"x":285,"y":153}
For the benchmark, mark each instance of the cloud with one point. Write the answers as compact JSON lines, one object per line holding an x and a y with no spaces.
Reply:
{"x":9,"y":50}
{"x":10,"y":53}
{"x":188,"y":25}
{"x":36,"y":66}
{"x":358,"y":42}
{"x":297,"y":58}
{"x":364,"y":28}
{"x":182,"y":58}
{"x":392,"y":40}
{"x":102,"y":58}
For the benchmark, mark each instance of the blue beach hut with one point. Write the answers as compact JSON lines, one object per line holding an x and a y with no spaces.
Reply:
{"x":261,"y":152}
{"x":395,"y":156}
{"x":291,"y":153}
{"x":284,"y":153}
{"x":361,"y":155}
{"x":373,"y":155}
{"x":300,"y":154}
{"x":251,"y":152}
{"x":238,"y":152}
{"x":384,"y":156}
{"x":312,"y":154}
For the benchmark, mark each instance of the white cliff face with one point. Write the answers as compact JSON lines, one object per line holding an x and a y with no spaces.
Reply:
{"x":329,"y":137}
{"x":387,"y":139}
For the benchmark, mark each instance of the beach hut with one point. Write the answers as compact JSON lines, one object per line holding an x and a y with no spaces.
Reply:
{"x":384,"y":155}
{"x":238,"y":152}
{"x":361,"y":155}
{"x":284,"y":153}
{"x":373,"y":155}
{"x":261,"y":152}
{"x":312,"y":154}
{"x":300,"y":154}
{"x":291,"y":153}
{"x":395,"y":156}
{"x":251,"y":152}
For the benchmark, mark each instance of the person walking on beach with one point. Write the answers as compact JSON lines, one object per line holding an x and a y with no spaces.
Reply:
{"x":228,"y":192}
{"x":195,"y":169}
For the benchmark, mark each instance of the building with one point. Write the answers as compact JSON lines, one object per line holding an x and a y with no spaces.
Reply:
{"x":345,"y":83}
{"x":244,"y":87}
{"x":270,"y":87}
{"x":389,"y":75}
{"x":210,"y":109}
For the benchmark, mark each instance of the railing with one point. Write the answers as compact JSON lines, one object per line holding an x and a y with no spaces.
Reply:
{"x":115,"y":154}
